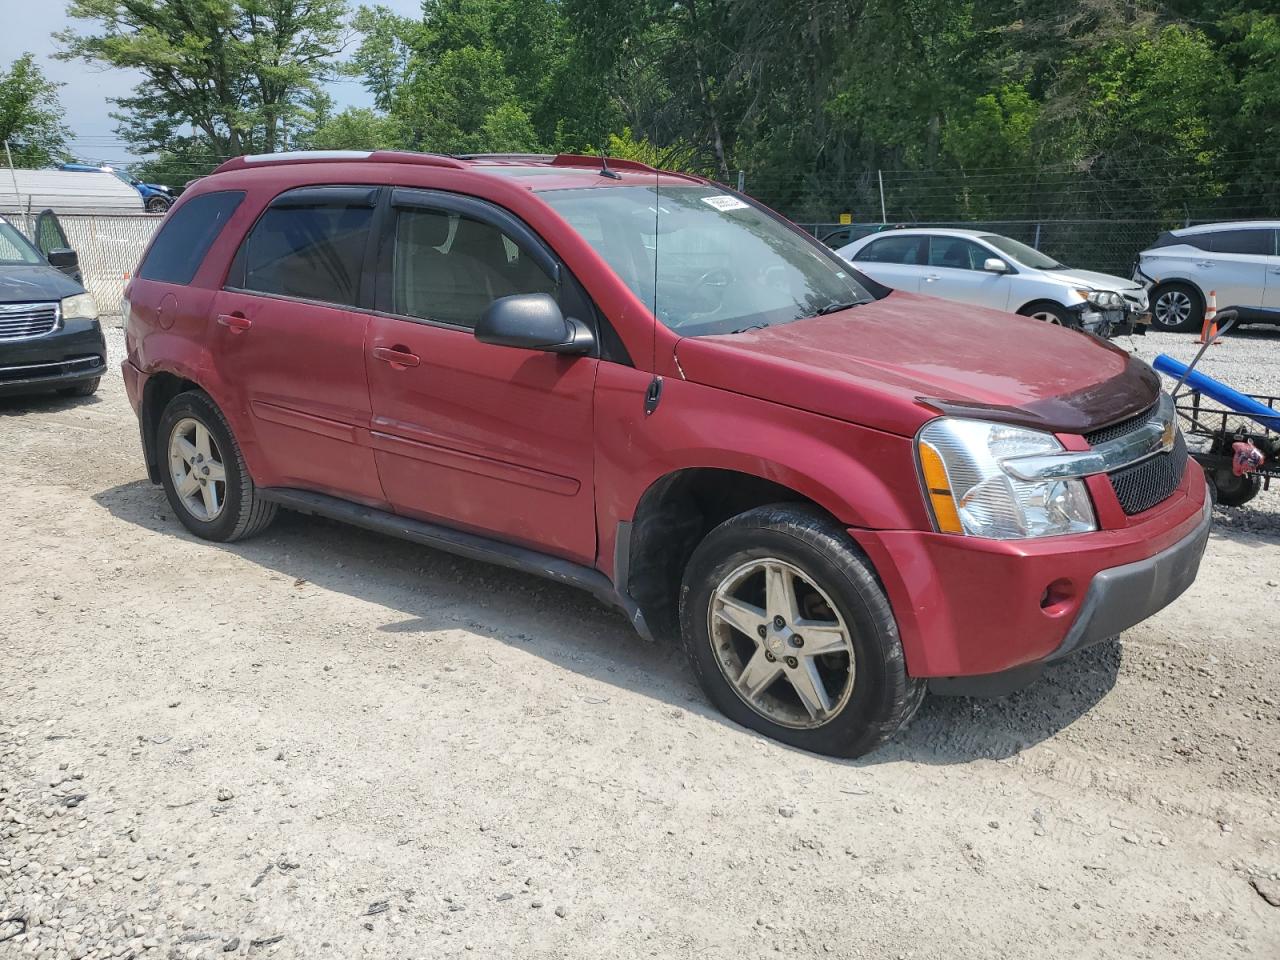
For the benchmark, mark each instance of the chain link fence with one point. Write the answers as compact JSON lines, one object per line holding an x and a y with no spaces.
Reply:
{"x":109,"y":247}
{"x":1109,"y":246}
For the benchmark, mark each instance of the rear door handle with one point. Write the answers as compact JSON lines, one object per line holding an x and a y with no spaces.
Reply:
{"x":1204,"y":263}
{"x":398,"y":356}
{"x":931,"y":278}
{"x":234,"y":322}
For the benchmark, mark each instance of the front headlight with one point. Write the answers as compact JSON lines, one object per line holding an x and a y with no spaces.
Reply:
{"x":79,"y":307}
{"x":1106,"y":299}
{"x":970,"y":492}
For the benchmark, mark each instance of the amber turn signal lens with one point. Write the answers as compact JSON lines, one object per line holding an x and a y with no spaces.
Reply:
{"x":938,"y":486}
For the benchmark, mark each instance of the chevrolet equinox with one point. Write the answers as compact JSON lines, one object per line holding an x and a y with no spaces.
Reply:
{"x":649,"y":386}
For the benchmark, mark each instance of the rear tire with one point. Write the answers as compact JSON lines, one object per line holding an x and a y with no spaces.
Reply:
{"x":204,"y":474}
{"x":1176,"y":308}
{"x":823,"y":670}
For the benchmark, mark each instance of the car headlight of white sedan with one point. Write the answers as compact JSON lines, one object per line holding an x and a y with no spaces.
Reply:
{"x":1105,"y":299}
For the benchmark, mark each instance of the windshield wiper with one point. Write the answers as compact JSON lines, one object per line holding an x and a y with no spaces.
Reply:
{"x":754,"y":326}
{"x":836,"y":306}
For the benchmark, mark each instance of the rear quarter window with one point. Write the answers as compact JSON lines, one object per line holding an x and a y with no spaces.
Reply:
{"x":185,"y":237}
{"x":1251,"y":242}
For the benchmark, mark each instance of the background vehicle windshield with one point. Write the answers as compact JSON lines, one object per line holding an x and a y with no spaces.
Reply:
{"x":722,"y":264}
{"x":14,"y":247}
{"x":1027,"y":256}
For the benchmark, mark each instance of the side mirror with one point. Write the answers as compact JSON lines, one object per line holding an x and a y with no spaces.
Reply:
{"x":64,"y":258}
{"x":995,"y":265}
{"x":533,"y":321}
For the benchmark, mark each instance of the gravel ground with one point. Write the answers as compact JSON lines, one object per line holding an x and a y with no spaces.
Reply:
{"x":327,"y":744}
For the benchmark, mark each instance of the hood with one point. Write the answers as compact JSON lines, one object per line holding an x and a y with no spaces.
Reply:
{"x":897,"y":362}
{"x":37,"y":281}
{"x":1093,"y":279}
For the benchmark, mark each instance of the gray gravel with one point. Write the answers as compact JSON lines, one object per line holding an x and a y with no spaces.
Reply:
{"x":324,"y":744}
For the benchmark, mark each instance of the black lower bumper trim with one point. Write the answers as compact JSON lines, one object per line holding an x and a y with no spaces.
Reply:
{"x":1117,"y":599}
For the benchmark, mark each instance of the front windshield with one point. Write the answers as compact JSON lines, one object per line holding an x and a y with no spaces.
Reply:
{"x":14,"y":247}
{"x":1027,"y":256}
{"x":723,"y":265}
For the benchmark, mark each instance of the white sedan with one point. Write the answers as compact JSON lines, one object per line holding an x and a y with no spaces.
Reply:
{"x":994,"y":271}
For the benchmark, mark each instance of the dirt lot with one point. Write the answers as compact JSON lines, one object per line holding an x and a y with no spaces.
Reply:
{"x":323,"y":743}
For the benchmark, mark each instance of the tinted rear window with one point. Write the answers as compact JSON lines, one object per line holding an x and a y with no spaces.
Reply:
{"x":184,"y":239}
{"x":910,"y":249}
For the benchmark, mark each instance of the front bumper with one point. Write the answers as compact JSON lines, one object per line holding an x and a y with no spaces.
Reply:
{"x":998,"y":611}
{"x":75,"y":352}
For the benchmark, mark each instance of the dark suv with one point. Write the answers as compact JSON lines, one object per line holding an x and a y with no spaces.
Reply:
{"x":649,"y":386}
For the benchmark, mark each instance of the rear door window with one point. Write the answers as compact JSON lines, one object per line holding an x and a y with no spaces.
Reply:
{"x":1249,"y":242}
{"x":186,"y":235}
{"x":909,"y":250}
{"x":309,"y":244}
{"x":956,"y":253}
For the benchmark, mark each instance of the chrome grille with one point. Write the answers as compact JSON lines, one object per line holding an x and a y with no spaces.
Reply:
{"x":21,"y":321}
{"x":1150,"y":482}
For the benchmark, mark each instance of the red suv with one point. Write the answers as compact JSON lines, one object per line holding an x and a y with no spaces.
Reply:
{"x":649,"y":386}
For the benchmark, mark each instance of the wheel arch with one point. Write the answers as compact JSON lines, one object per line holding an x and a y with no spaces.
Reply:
{"x":160,"y":388}
{"x":673,"y":515}
{"x":1029,"y":307}
{"x":1164,"y":283}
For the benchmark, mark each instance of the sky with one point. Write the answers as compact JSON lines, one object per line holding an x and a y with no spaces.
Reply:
{"x":86,"y":90}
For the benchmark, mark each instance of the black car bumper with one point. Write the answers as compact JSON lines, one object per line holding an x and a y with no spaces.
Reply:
{"x":73,"y":353}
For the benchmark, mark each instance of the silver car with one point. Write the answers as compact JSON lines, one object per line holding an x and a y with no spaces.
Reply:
{"x":1237,"y":261}
{"x":989,"y":270}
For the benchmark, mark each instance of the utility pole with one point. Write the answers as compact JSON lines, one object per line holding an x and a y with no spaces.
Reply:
{"x":884,"y":217}
{"x":17,"y":199}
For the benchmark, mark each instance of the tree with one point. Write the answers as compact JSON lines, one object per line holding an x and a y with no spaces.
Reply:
{"x":237,"y":72}
{"x":30,"y":115}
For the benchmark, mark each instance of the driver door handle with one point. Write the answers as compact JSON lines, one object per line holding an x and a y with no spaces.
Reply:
{"x":930,"y":278}
{"x":398,"y":356}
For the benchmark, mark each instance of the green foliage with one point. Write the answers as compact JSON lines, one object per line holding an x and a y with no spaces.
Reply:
{"x":356,"y":128}
{"x":237,"y":72}
{"x":969,"y":108}
{"x":30,"y":115}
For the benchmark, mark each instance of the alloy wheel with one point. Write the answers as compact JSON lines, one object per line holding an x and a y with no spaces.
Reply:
{"x":195,"y":463}
{"x":781,"y":643}
{"x":1047,"y":317}
{"x":1172,"y":308}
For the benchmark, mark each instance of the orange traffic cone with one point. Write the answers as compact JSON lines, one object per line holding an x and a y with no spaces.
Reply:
{"x":1210,"y":329}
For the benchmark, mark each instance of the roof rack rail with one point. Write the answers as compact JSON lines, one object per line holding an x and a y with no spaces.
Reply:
{"x":337,"y":156}
{"x":527,"y":157}
{"x":587,"y":160}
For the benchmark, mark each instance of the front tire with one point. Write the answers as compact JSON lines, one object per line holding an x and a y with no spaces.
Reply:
{"x":790,"y":633}
{"x":85,"y":388}
{"x":204,"y":474}
{"x":1051,"y":313}
{"x":1176,"y":308}
{"x":158,"y":204}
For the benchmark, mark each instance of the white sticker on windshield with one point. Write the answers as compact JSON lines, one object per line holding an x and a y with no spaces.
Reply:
{"x":722,"y":201}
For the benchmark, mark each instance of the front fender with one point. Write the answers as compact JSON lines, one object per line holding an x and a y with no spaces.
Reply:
{"x":864,"y":478}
